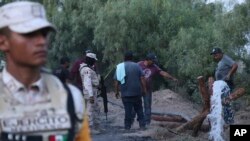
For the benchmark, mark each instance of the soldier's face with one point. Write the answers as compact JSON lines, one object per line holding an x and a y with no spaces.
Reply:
{"x":26,"y":49}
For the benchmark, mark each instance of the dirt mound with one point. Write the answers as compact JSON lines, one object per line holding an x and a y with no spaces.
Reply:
{"x":167,"y":101}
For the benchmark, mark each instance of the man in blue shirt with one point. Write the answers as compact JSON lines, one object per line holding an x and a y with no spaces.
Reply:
{"x":226,"y":67}
{"x":225,"y":70}
{"x":129,"y":78}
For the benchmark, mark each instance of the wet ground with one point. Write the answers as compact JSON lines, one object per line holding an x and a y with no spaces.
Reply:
{"x":116,"y":133}
{"x":164,"y":101}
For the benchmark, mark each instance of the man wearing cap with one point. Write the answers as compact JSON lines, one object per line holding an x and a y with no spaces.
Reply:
{"x":33,"y":103}
{"x":226,"y":67}
{"x":75,"y":77}
{"x":90,"y":82}
{"x":150,"y":69}
{"x":225,"y":70}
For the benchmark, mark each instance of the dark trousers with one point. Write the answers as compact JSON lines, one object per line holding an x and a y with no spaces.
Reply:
{"x":147,"y":99}
{"x":230,"y":84}
{"x":133,"y":104}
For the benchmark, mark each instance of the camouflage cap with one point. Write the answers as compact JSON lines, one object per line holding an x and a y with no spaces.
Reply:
{"x":24,"y":17}
{"x":91,"y":55}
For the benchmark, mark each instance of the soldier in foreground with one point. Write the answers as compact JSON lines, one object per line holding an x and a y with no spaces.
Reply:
{"x":33,"y":104}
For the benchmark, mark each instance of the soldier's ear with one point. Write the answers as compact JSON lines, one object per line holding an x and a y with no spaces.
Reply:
{"x":4,"y":44}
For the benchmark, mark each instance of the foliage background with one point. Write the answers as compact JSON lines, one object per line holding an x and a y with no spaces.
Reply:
{"x":181,"y":33}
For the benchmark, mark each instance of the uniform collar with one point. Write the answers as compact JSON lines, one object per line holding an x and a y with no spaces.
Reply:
{"x":14,"y":85}
{"x":83,"y":64}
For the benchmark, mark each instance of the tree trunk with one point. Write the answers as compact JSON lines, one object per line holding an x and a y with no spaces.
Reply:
{"x":205,"y":92}
{"x":168,"y":117}
{"x":237,"y":93}
{"x":196,"y":122}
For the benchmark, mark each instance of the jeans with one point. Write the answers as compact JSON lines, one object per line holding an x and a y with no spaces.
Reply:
{"x":133,"y":104}
{"x":147,"y":106}
{"x":147,"y":99}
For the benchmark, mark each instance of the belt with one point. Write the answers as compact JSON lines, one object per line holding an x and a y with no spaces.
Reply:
{"x":19,"y":137}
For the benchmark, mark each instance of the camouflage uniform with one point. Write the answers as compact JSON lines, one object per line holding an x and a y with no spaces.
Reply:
{"x":38,"y":107}
{"x":21,"y":107}
{"x":90,"y":81}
